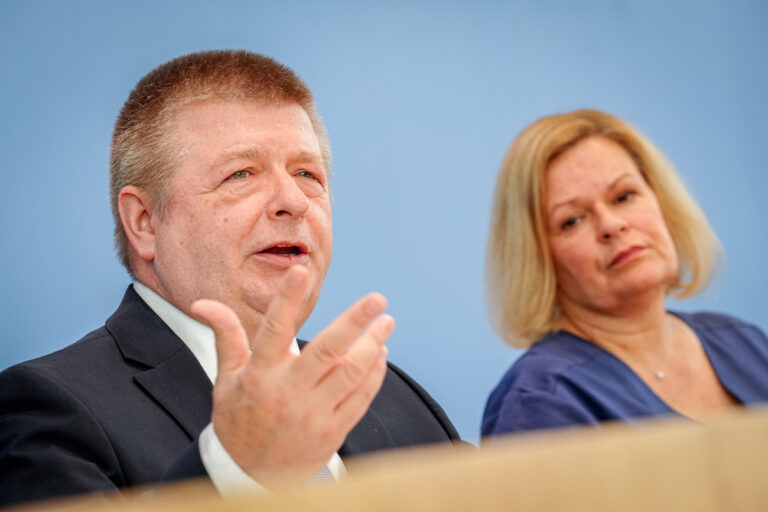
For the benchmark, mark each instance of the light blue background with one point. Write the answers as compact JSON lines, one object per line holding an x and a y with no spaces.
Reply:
{"x":421,"y":101}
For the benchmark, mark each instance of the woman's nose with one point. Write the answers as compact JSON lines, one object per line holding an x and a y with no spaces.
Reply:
{"x":610,"y":223}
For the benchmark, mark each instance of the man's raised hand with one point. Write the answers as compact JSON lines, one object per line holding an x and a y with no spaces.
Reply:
{"x":281,"y":416}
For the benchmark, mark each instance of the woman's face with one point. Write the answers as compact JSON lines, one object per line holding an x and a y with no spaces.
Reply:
{"x":605,"y":229}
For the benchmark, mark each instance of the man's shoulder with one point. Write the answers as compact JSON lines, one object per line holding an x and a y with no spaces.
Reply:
{"x":81,"y":369}
{"x":71,"y":358}
{"x":93,"y":361}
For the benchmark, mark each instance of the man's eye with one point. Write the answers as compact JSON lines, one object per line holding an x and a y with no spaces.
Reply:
{"x":306,"y":174}
{"x":244,"y":173}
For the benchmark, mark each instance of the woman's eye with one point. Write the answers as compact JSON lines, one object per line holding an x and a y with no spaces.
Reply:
{"x":569,"y":223}
{"x":244,"y":173}
{"x":625,"y":196}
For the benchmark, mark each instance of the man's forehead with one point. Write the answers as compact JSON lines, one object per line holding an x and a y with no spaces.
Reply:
{"x":230,"y":129}
{"x":254,"y":153}
{"x":219,"y":106}
{"x":211,"y":113}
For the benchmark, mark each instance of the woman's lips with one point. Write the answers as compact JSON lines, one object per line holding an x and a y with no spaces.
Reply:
{"x":625,"y":255}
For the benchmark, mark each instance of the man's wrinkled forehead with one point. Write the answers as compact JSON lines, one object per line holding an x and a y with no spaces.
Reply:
{"x":178,"y":128}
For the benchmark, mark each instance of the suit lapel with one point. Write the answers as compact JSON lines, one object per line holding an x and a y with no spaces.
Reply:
{"x":172,"y":376}
{"x":175,"y":386}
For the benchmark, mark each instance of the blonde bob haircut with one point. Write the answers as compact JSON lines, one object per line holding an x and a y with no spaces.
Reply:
{"x":521,"y":285}
{"x":143,"y":153}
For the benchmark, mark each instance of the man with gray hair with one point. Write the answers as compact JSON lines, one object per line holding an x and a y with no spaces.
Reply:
{"x":220,"y":172}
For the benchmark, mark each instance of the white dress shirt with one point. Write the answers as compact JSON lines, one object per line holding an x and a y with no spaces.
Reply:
{"x":224,"y":472}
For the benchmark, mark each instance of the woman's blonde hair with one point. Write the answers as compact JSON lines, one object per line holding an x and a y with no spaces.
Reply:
{"x":521,"y":286}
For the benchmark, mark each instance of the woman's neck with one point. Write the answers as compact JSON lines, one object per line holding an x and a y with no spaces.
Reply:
{"x":643,"y":332}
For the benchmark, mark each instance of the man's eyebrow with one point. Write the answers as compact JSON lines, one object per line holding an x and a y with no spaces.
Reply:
{"x":306,"y":156}
{"x":236,"y":154}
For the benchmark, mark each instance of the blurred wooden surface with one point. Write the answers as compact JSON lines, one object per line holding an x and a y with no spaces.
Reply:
{"x":662,"y":465}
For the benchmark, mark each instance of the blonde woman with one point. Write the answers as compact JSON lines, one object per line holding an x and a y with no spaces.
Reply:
{"x":591,"y":230}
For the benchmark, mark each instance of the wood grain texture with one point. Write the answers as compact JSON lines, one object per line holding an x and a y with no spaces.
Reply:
{"x":662,"y":465}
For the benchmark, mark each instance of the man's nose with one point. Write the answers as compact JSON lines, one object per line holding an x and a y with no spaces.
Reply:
{"x":288,"y":200}
{"x":610,"y":223}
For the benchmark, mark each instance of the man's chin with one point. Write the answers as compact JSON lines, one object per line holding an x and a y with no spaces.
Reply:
{"x":257,"y":302}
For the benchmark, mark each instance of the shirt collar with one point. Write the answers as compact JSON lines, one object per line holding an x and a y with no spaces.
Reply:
{"x":198,"y":337}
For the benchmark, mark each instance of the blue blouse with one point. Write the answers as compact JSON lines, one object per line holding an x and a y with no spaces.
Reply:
{"x":565,"y":380}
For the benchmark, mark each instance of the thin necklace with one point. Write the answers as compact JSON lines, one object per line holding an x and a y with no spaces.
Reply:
{"x":683,"y":339}
{"x":659,"y":373}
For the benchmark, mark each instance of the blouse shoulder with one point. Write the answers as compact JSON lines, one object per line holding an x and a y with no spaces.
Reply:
{"x":722,"y":326}
{"x":738,"y":351}
{"x":536,"y":379}
{"x":550,"y":358}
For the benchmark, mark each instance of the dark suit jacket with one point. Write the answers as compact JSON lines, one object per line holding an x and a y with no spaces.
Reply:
{"x":124,"y":407}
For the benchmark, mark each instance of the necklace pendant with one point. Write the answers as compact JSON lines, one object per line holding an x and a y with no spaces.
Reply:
{"x":660,"y":374}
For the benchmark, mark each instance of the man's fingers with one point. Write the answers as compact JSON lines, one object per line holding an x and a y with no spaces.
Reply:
{"x":278,"y":327}
{"x":355,"y":366}
{"x":231,"y":340}
{"x":353,"y":407}
{"x":334,"y":341}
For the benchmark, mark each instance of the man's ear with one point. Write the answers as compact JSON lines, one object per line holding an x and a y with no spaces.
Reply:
{"x":135,"y":207}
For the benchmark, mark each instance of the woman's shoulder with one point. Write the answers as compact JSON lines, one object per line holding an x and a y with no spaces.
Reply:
{"x":721,"y":325}
{"x":711,"y":319}
{"x":544,"y":365}
{"x":534,"y":392}
{"x":737,"y":350}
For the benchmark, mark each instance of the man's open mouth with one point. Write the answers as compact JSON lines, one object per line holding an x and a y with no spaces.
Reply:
{"x":285,"y":250}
